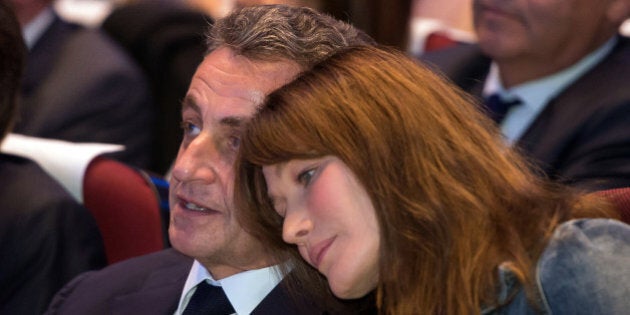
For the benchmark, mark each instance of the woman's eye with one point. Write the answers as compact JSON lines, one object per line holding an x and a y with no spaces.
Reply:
{"x":305,"y":177}
{"x":190,"y":129}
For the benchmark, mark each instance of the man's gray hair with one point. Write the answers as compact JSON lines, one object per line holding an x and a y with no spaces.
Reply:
{"x":276,"y":32}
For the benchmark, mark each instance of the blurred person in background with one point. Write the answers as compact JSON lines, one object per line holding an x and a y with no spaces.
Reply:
{"x":220,"y":8}
{"x":554,"y":75}
{"x":46,"y":237}
{"x":80,"y":86}
{"x":437,"y":24}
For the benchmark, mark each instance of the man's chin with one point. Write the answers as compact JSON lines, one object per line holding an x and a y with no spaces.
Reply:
{"x":182,"y":242}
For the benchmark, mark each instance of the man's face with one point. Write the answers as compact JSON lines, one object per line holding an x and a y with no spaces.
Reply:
{"x":552,"y":32}
{"x":224,"y":93}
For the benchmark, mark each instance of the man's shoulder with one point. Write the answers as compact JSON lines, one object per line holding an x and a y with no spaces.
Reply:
{"x":602,"y":89}
{"x":461,"y":51}
{"x":89,"y":44}
{"x":464,"y":63}
{"x":13,"y":167}
{"x":22,"y":193}
{"x":622,"y":48}
{"x":143,"y":266}
{"x":616,"y":65}
{"x":153,"y":281}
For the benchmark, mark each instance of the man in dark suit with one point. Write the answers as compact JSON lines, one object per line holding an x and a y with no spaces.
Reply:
{"x":46,"y":238}
{"x":80,"y":86}
{"x":252,"y":52}
{"x":567,"y":70}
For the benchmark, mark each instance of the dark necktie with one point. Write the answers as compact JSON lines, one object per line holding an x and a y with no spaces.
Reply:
{"x":498,"y":107}
{"x":208,"y":300}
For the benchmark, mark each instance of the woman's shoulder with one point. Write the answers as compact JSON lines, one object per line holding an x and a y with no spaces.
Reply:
{"x":585,"y":268}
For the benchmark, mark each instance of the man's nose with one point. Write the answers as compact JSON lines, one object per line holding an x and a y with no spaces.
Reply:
{"x":196,"y":161}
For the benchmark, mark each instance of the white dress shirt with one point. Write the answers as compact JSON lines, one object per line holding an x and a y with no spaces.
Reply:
{"x":536,"y":94}
{"x":245,"y":290}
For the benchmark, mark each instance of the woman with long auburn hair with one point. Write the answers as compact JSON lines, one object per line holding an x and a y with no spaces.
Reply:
{"x":390,"y":180}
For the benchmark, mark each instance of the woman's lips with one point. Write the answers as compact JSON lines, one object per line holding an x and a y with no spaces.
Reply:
{"x":317,"y":252}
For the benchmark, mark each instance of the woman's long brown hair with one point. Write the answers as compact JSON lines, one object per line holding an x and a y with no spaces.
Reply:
{"x":453,"y":202}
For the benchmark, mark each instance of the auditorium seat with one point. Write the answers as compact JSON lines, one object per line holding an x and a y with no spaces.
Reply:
{"x":130,"y":207}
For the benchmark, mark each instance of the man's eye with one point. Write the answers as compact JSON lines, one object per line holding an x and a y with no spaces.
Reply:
{"x":280,"y":210}
{"x":305,"y":177}
{"x":190,"y":129}
{"x":235,"y":142}
{"x":277,"y":206}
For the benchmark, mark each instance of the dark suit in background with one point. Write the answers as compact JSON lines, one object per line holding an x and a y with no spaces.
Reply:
{"x":46,"y":238}
{"x":582,"y":137}
{"x":80,"y":86}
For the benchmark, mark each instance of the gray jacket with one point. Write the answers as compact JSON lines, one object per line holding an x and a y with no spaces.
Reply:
{"x":585,"y":269}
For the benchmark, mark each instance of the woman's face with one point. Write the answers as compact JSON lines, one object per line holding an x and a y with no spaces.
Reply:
{"x":330,"y":217}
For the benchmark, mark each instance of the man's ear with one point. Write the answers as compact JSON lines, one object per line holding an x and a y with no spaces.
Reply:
{"x":618,"y":11}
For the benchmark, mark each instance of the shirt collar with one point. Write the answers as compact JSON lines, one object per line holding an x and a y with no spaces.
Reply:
{"x":245,"y":290}
{"x":537,"y":93}
{"x":36,"y":27}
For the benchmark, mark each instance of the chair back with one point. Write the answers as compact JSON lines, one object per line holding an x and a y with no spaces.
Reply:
{"x":130,"y":208}
{"x":620,"y":198}
{"x":437,"y":41}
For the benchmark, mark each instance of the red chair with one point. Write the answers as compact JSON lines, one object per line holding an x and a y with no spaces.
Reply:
{"x":130,"y":208}
{"x":620,"y":198}
{"x":438,"y":41}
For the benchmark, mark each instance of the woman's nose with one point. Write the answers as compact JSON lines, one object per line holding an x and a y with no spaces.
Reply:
{"x":297,"y":225}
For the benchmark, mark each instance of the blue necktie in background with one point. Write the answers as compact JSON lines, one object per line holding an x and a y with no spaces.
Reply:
{"x":499,"y":107}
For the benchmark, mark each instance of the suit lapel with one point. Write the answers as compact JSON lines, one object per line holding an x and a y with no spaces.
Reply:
{"x":544,"y":140}
{"x":42,"y":56}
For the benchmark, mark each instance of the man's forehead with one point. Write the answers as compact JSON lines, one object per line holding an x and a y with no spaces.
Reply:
{"x":227,"y":84}
{"x":261,"y":76}
{"x":231,"y":115}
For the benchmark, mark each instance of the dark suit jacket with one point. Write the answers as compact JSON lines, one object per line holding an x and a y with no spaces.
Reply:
{"x":80,"y":86}
{"x":46,"y":238}
{"x":151,"y":284}
{"x":582,"y":137}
